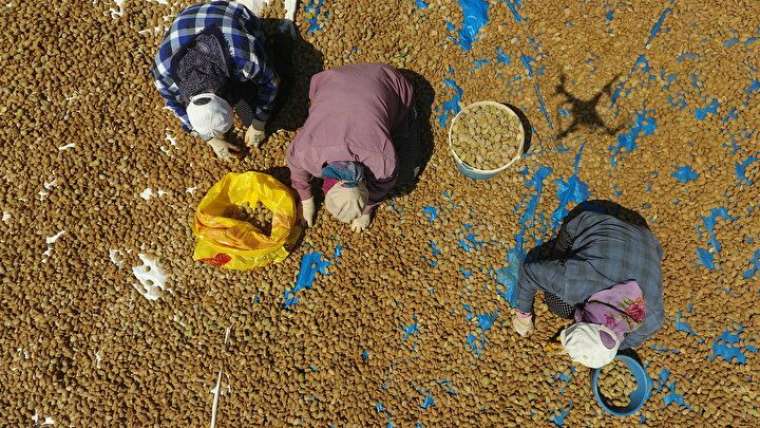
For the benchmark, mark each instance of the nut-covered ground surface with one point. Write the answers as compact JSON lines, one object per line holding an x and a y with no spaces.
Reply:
{"x":107,"y":320}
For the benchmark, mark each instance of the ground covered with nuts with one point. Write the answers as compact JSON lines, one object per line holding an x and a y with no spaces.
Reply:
{"x":107,"y":321}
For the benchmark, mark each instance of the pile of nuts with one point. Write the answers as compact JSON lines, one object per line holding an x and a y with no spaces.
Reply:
{"x":616,"y":383}
{"x":259,"y":216}
{"x":486,"y":136}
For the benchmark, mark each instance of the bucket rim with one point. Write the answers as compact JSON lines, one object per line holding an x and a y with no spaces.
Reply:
{"x":643,"y":388}
{"x":503,"y":107}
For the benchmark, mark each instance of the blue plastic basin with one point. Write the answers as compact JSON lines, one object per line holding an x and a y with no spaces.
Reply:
{"x":637,"y":398}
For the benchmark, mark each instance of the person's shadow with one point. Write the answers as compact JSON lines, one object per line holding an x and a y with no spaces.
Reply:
{"x":527,"y":127}
{"x":295,"y":61}
{"x":415,"y":153}
{"x":584,"y":112}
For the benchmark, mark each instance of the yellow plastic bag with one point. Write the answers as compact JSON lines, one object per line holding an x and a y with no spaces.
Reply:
{"x":239,"y":245}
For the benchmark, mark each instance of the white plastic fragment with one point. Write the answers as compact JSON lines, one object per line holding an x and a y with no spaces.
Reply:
{"x":255,"y":6}
{"x":24,"y":352}
{"x":67,"y":146}
{"x":152,"y":280}
{"x":288,"y":24}
{"x":215,"y":404}
{"x":177,"y":319}
{"x":115,"y":256}
{"x":172,"y":143}
{"x":50,"y":240}
{"x":170,"y":138}
{"x":290,"y":9}
{"x":155,"y":31}
{"x":147,"y":193}
{"x":6,"y":216}
{"x":190,"y":190}
{"x":73,"y":97}
{"x":118,"y":11}
{"x":229,"y":383}
{"x":48,"y":421}
{"x":47,"y":187}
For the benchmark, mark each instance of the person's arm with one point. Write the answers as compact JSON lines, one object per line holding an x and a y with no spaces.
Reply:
{"x":381,"y":173}
{"x":255,"y":68}
{"x":300,"y":180}
{"x":267,"y":85}
{"x":564,"y":241}
{"x":552,"y":275}
{"x":244,"y":102}
{"x":545,"y":275}
{"x":172,"y":100}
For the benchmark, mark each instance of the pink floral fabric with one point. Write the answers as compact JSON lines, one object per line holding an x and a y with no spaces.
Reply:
{"x":621,"y":308}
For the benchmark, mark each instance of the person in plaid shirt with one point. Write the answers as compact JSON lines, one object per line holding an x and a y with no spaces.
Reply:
{"x":212,"y":58}
{"x":608,"y":273}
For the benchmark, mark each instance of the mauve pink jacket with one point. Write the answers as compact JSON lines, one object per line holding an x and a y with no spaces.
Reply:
{"x":354,"y":111}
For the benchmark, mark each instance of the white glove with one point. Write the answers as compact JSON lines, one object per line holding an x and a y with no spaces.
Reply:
{"x":523,"y":324}
{"x":254,"y":136}
{"x":222,"y":148}
{"x":360,"y":223}
{"x":308,"y":209}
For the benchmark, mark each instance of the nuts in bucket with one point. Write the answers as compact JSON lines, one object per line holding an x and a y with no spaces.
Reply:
{"x":486,"y":136}
{"x":616,"y":383}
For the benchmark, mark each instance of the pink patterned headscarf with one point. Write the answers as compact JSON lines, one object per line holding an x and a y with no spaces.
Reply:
{"x":620,"y":308}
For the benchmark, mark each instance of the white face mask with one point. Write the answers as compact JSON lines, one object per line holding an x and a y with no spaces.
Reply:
{"x":210,"y":115}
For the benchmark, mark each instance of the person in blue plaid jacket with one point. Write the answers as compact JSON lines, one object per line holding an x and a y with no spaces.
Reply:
{"x":212,"y":58}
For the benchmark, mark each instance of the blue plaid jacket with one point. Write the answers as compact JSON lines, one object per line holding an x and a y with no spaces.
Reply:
{"x":603,"y":251}
{"x":243,"y":36}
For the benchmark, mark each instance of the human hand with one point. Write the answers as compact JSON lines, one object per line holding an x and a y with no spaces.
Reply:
{"x":522,"y":323}
{"x":222,"y":149}
{"x":360,"y":223}
{"x":255,"y":134}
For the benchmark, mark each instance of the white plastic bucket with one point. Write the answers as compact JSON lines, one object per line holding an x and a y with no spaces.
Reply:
{"x":483,"y":174}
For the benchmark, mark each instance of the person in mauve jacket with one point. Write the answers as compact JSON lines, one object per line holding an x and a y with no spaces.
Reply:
{"x":358,"y":115}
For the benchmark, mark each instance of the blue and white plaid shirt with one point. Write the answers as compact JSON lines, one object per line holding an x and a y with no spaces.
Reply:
{"x":600,"y":251}
{"x":244,"y":39}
